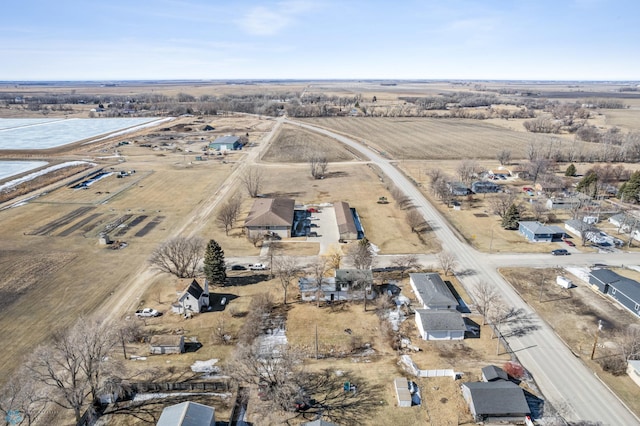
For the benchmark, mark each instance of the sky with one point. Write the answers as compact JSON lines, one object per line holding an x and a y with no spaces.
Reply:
{"x":319,"y":39}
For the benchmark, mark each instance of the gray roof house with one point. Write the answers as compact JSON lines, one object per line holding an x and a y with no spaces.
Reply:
{"x":536,"y":232}
{"x":458,"y":188}
{"x":440,"y":324}
{"x":270,"y":215}
{"x":495,"y":402}
{"x":633,"y":370}
{"x":485,"y":186}
{"x":492,"y":373}
{"x":226,"y":143}
{"x":577,"y":227}
{"x":188,"y":414}
{"x":624,"y":290}
{"x":432,"y":292}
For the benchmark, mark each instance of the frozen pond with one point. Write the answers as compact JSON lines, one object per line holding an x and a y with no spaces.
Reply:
{"x":49,"y":133}
{"x":12,"y":168}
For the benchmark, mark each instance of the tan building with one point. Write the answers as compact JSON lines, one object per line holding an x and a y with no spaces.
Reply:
{"x":346,"y":224}
{"x":270,"y":216}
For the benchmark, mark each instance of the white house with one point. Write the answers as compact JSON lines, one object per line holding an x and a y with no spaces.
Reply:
{"x":194,"y":299}
{"x":347,"y":284}
{"x":440,"y":324}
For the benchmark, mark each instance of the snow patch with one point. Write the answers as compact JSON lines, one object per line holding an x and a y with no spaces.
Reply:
{"x":42,"y":172}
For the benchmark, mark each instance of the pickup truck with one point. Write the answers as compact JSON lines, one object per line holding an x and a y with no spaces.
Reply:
{"x":147,"y":312}
{"x":258,"y":267}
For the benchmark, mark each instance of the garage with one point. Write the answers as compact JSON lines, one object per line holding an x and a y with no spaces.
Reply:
{"x":440,"y":325}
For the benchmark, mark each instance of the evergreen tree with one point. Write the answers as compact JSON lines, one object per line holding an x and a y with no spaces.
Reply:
{"x":214,"y":266}
{"x":630,"y":190}
{"x":589,"y":184}
{"x":571,"y":170}
{"x":511,"y":218}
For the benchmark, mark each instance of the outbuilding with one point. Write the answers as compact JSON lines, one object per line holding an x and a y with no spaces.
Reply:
{"x":622,"y":289}
{"x":166,"y":344}
{"x":431,"y":291}
{"x":188,"y":414}
{"x":226,"y":143}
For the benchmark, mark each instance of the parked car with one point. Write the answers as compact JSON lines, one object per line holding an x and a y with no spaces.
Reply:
{"x":147,"y":312}
{"x":313,"y":234}
{"x":560,"y":252}
{"x":238,"y":268}
{"x":569,"y":243}
{"x":258,"y":267}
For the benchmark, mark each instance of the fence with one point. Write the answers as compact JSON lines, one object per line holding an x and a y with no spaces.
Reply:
{"x":180,"y":386}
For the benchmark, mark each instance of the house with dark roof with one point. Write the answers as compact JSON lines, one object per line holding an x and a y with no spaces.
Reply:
{"x":622,"y":289}
{"x":272,"y":216}
{"x":440,"y":324}
{"x":537,"y":232}
{"x":491,"y":373}
{"x":187,"y":414}
{"x":458,"y":188}
{"x":346,"y":223}
{"x":484,"y":186}
{"x":496,"y":402}
{"x":226,"y":143}
{"x":431,"y":291}
{"x":194,"y":299}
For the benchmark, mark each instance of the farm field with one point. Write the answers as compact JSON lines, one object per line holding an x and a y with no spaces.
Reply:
{"x":296,"y":145}
{"x":430,"y":138}
{"x":625,"y":118}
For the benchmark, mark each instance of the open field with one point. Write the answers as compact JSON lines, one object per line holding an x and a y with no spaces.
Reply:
{"x":574,"y":314}
{"x":436,"y":139}
{"x":625,"y":118}
{"x":296,"y":145}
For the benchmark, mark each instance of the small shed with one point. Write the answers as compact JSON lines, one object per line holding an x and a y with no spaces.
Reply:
{"x":166,"y":344}
{"x":491,"y":373}
{"x":564,"y":282}
{"x":402,"y":392}
{"x":188,"y":414}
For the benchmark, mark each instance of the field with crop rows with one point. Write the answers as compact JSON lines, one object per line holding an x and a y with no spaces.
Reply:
{"x":429,"y":138}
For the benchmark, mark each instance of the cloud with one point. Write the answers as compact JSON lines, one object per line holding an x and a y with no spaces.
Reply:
{"x":264,"y":21}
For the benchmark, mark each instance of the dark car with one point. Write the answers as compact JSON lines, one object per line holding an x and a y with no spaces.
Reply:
{"x":238,"y":268}
{"x":560,"y":252}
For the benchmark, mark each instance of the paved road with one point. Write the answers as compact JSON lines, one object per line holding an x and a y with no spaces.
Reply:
{"x":563,"y":379}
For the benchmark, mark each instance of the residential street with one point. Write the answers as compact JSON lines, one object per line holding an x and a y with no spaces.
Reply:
{"x":573,"y":390}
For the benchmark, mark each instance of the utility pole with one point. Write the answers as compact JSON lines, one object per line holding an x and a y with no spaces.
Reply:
{"x":595,"y":341}
{"x":316,"y":341}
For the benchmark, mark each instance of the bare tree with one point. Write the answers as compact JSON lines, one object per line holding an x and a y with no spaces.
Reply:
{"x":485,"y":296}
{"x":334,"y":258}
{"x":501,"y":202}
{"x":504,"y":157}
{"x":22,"y":400}
{"x":629,"y":342}
{"x":252,"y":180}
{"x":229,"y":212}
{"x":361,"y":254}
{"x":318,"y":164}
{"x":538,"y":210}
{"x":319,"y":269}
{"x":128,"y":332}
{"x":75,"y":364}
{"x":415,"y":221}
{"x":467,"y":169}
{"x":283,"y":384}
{"x":286,"y":270}
{"x":179,"y":256}
{"x":447,"y":262}
{"x":406,"y":263}
{"x":537,"y":167}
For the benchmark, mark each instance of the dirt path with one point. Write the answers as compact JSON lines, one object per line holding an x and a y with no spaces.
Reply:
{"x":128,"y":293}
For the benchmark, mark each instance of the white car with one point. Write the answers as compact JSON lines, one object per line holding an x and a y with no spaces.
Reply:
{"x":147,"y":312}
{"x":258,"y":267}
